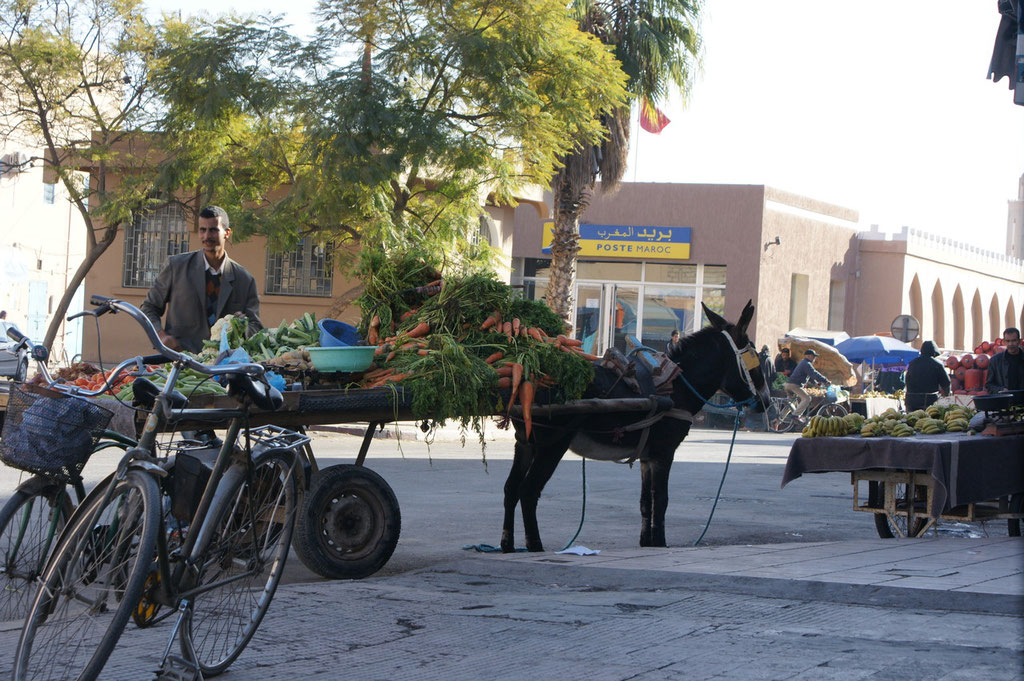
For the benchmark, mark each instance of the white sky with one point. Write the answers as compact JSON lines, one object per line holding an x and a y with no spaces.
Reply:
{"x":881,"y":106}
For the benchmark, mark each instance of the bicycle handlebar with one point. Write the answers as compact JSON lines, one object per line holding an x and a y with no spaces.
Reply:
{"x":38,"y":352}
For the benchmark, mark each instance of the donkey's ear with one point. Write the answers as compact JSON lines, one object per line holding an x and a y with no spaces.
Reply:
{"x":748,"y":314}
{"x":716,"y":320}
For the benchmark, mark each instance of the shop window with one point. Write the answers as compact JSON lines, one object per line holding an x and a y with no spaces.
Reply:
{"x":836,"y":304}
{"x":307,"y":270}
{"x":149,"y":241}
{"x":714,"y":275}
{"x":798,"y":287}
{"x":609,"y":271}
{"x":667,"y":309}
{"x":671,"y":274}
{"x":49,"y":193}
{"x":714,"y":298}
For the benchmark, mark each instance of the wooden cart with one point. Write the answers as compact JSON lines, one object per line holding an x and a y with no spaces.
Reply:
{"x":911,"y":483}
{"x":350,"y":518}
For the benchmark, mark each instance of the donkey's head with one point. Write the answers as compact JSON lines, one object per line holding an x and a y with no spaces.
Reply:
{"x":743,"y":378}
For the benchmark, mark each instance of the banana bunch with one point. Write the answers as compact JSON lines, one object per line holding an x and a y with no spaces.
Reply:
{"x":902,"y":430}
{"x":915,"y":416}
{"x":871,"y":429}
{"x":854,"y":422}
{"x":931,"y":426}
{"x":826,"y":426}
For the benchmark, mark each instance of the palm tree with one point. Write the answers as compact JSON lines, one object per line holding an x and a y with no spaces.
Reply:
{"x":658,"y":45}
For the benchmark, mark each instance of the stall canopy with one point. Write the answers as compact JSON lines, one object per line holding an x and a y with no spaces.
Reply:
{"x":877,"y":350}
{"x":833,"y":365}
{"x":825,"y":336}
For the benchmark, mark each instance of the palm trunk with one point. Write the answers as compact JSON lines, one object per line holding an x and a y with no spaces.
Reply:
{"x":565,"y":244}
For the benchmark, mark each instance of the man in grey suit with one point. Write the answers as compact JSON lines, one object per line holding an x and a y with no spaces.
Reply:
{"x":196,"y":289}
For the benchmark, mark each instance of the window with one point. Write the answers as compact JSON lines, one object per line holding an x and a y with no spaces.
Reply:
{"x":49,"y":193}
{"x":308,"y":270}
{"x":836,"y":304}
{"x":149,"y":241}
{"x":798,"y":286}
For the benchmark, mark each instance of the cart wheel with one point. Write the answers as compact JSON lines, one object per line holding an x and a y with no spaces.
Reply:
{"x":832,"y":410}
{"x":888,"y":524}
{"x":349,"y":524}
{"x":1016,"y":506}
{"x":780,"y":415}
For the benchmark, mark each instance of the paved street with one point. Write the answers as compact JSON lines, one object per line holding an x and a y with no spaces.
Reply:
{"x":788,"y":583}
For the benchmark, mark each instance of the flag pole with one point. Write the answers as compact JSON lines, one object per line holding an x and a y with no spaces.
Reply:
{"x":636,"y":151}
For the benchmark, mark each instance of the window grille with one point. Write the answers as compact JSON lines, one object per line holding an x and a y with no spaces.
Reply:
{"x":307,"y":270}
{"x":149,"y":241}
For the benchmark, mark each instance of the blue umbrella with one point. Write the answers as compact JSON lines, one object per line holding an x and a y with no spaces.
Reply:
{"x":877,"y":350}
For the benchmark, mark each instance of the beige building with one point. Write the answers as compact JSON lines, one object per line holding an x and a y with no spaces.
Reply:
{"x":803,"y":262}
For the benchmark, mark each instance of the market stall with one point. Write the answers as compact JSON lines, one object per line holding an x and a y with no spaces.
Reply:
{"x":914,"y":481}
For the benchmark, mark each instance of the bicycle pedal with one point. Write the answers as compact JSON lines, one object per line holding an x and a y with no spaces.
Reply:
{"x":175,"y":668}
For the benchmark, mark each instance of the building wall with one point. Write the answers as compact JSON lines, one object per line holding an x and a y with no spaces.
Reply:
{"x":1015,"y":224}
{"x":962,"y":295}
{"x":732,"y":225}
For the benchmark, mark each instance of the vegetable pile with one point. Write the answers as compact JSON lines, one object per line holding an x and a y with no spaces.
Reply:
{"x":466,"y":346}
{"x":274,"y":346}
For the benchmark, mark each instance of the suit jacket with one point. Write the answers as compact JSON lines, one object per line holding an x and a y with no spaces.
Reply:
{"x":180,"y":291}
{"x":999,"y":374}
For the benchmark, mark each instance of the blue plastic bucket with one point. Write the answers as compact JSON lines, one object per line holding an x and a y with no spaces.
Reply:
{"x":335,"y":334}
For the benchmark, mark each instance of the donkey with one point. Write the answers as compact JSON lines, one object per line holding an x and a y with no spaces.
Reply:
{"x":718,"y":357}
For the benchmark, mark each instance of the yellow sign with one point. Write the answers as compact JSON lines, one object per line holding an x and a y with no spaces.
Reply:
{"x":621,"y":241}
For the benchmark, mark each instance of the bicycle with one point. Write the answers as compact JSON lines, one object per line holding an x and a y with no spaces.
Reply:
{"x":782,"y":417}
{"x":41,"y":506}
{"x":117,"y":554}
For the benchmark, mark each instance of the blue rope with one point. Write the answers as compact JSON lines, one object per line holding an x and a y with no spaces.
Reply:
{"x":583,"y":508}
{"x":735,"y":428}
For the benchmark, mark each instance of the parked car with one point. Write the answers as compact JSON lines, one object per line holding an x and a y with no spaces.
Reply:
{"x":12,"y":365}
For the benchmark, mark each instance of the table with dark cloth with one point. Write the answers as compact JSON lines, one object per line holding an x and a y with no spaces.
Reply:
{"x":966,"y":468}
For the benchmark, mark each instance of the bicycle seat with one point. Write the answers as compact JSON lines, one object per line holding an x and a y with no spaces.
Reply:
{"x":146,"y":391}
{"x":260,"y":394}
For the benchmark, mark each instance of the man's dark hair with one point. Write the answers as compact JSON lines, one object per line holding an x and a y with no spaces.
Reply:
{"x":216,"y":212}
{"x":783,"y":349}
{"x":1014,"y":330}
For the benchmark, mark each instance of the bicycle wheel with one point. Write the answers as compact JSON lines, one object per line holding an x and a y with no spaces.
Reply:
{"x":781,"y":419}
{"x":832,"y":409}
{"x":91,"y":584}
{"x":243,"y":561}
{"x":30,"y":523}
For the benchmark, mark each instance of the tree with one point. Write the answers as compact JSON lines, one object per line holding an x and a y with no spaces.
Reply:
{"x":657,"y":43}
{"x":394,"y":125}
{"x":73,"y":80}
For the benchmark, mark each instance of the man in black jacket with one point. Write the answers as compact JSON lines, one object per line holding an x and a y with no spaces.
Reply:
{"x":1006,"y":370}
{"x":926,"y":378}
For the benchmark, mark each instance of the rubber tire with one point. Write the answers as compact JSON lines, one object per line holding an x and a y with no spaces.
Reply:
{"x":372,"y":519}
{"x":224,"y":513}
{"x":882,"y":522}
{"x":833,"y":410}
{"x":21,"y":372}
{"x":71,"y":550}
{"x":780,"y":425}
{"x":35,"y":490}
{"x":1016,"y":506}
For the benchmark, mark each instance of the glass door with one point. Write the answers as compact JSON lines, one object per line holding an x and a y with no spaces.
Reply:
{"x":605,"y":315}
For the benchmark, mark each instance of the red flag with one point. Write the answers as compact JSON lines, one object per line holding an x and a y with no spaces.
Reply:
{"x":652,"y":120}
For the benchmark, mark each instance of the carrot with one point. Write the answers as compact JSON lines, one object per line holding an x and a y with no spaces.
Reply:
{"x":495,"y":357}
{"x":526,"y":395}
{"x":504,"y":371}
{"x":506,"y":328}
{"x":395,"y":378}
{"x":409,"y":313}
{"x":381,"y":349}
{"x":515,"y":326}
{"x":488,"y":323}
{"x":423,"y":351}
{"x":535,"y":334}
{"x":575,"y":342}
{"x":517,"y":377}
{"x":420,"y":330}
{"x":375,"y":322}
{"x":587,"y":355}
{"x":505,"y":382}
{"x":372,"y":336}
{"x":391,"y":356}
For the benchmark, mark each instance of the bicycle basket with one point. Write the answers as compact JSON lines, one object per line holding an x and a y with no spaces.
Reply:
{"x":52,"y":436}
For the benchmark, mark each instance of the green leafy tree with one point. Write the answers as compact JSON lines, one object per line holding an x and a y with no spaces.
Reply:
{"x":394,"y":125}
{"x":74,"y":83}
{"x":657,"y":42}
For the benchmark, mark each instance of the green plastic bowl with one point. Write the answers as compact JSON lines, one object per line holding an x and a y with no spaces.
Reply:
{"x":350,"y":358}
